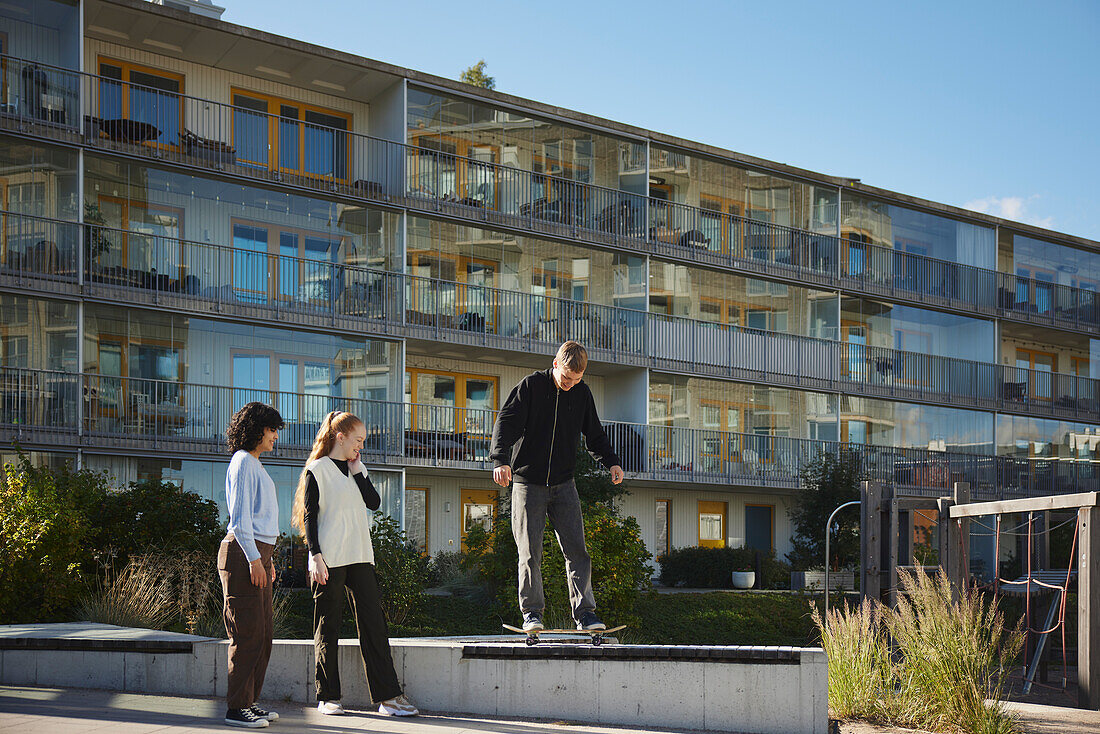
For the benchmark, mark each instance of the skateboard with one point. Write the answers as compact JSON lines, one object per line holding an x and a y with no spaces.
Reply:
{"x":533,"y":635}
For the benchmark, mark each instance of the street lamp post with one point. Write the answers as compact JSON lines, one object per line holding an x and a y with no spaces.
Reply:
{"x":828,"y":524}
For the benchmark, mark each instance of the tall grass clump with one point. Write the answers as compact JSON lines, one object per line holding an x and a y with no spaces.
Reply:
{"x":952,"y":657}
{"x":860,"y":673}
{"x":138,"y":596}
{"x":931,"y":663}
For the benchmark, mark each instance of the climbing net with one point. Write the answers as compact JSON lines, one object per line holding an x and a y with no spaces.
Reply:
{"x":1034,"y":582}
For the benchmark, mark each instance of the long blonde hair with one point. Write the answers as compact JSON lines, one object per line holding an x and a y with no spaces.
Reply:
{"x":335,"y":422}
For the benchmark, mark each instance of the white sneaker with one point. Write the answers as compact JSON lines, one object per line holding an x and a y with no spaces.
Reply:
{"x":332,"y":708}
{"x":399,"y":706}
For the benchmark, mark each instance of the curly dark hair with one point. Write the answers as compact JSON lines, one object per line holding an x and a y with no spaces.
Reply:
{"x":247,"y":425}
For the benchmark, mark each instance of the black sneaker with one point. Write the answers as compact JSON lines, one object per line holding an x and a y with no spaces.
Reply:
{"x":244,"y":718}
{"x":589,"y":621}
{"x":532,"y":622}
{"x":269,"y":715}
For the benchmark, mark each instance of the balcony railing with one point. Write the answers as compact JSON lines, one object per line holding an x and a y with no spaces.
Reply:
{"x":38,"y":406}
{"x":40,"y":251}
{"x":130,"y":118}
{"x":195,"y":276}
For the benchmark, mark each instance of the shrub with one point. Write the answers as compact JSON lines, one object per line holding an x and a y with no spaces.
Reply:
{"x":620,"y":570}
{"x":151,"y":516}
{"x":948,"y":658}
{"x":42,"y":534}
{"x":139,"y":596}
{"x":402,"y":569}
{"x":710,"y":568}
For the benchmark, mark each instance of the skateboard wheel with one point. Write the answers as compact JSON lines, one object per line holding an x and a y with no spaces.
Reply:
{"x":597,"y":641}
{"x":532,"y":641}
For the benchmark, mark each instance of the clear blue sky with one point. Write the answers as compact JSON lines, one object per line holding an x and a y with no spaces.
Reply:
{"x":988,"y":105}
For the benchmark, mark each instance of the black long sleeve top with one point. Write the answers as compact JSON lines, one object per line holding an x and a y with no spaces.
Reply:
{"x":537,"y":430}
{"x":371,"y":499}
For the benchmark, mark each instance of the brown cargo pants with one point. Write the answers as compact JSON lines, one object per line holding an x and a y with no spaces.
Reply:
{"x":248,"y":622}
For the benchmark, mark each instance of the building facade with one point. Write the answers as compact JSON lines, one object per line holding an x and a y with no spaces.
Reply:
{"x":197,"y":214}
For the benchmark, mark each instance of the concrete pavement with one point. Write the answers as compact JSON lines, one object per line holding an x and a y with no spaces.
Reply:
{"x":29,"y":710}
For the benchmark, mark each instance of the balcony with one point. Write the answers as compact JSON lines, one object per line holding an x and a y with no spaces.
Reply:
{"x":208,"y":135}
{"x":196,"y":277}
{"x":45,"y":408}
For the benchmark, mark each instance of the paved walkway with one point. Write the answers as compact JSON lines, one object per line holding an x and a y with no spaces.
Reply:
{"x":76,"y":711}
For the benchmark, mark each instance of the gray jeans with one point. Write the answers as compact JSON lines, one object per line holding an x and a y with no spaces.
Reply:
{"x":531,"y":503}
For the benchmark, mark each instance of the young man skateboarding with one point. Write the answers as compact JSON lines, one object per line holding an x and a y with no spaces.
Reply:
{"x":535,"y":443}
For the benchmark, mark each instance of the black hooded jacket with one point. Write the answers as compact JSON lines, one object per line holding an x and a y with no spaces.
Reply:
{"x":539,"y":426}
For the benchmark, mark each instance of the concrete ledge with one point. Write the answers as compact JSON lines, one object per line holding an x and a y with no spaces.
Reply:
{"x":753,"y":690}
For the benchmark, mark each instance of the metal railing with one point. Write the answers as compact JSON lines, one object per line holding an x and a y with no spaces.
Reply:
{"x":45,"y":251}
{"x":146,"y":414}
{"x":197,"y":276}
{"x":119,"y":115}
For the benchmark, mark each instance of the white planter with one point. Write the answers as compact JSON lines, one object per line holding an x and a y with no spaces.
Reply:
{"x":743,"y":579}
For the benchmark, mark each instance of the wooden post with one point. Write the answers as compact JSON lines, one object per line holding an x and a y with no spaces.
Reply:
{"x":870,"y":540}
{"x":945,"y":523}
{"x":891,"y":570}
{"x":959,"y":573}
{"x":1088,"y":608}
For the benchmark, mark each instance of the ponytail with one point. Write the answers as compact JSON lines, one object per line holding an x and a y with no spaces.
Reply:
{"x":335,"y":422}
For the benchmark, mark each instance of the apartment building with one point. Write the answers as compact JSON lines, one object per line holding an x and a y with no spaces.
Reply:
{"x":197,"y":214}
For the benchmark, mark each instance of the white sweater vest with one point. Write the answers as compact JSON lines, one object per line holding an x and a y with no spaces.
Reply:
{"x":343,"y":521}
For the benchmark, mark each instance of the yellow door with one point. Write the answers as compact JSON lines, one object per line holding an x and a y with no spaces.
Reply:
{"x":712,"y":524}
{"x":479,"y":507}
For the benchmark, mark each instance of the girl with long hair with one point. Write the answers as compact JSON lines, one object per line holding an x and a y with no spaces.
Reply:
{"x":244,"y":561}
{"x":332,"y":508}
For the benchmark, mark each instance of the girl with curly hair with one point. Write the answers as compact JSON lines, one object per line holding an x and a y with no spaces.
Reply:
{"x":244,"y":561}
{"x":332,"y":509}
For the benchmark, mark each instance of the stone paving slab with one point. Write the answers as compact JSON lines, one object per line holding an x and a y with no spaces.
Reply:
{"x":80,"y":711}
{"x":91,"y":631}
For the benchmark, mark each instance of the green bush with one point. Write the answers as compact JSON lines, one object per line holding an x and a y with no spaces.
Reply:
{"x":42,"y":535}
{"x":402,"y":569}
{"x":150,"y":516}
{"x":710,"y":568}
{"x":620,"y":570}
{"x":61,"y":527}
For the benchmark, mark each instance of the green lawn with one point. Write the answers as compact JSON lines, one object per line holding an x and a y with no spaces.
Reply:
{"x":714,"y":618}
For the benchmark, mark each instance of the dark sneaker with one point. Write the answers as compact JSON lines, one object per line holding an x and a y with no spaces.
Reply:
{"x":244,"y":718}
{"x":269,"y":715}
{"x":589,"y":621}
{"x":532,"y":622}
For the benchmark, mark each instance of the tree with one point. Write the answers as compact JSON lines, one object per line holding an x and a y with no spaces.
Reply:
{"x":476,"y":75}
{"x":593,"y":481}
{"x":826,"y":483}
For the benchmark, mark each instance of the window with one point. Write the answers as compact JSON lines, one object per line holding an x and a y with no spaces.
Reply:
{"x":141,"y":94}
{"x":416,"y":516}
{"x":1041,"y":365}
{"x":148,"y":246}
{"x":451,"y":402}
{"x":1034,"y":289}
{"x":282,"y":135}
{"x":712,"y":524}
{"x":283,"y":264}
{"x":466,"y":290}
{"x":304,"y":387}
{"x":662,"y":538}
{"x":760,"y":527}
{"x":478,"y":508}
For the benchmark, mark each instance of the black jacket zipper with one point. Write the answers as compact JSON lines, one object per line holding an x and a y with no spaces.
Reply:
{"x":553,"y":432}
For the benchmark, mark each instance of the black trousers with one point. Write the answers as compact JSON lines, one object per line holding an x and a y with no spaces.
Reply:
{"x":361,"y":585}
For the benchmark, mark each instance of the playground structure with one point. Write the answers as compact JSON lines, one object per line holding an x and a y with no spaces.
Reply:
{"x":887,"y":546}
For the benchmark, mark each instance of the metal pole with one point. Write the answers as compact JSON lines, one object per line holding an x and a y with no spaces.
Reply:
{"x":827,"y":525}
